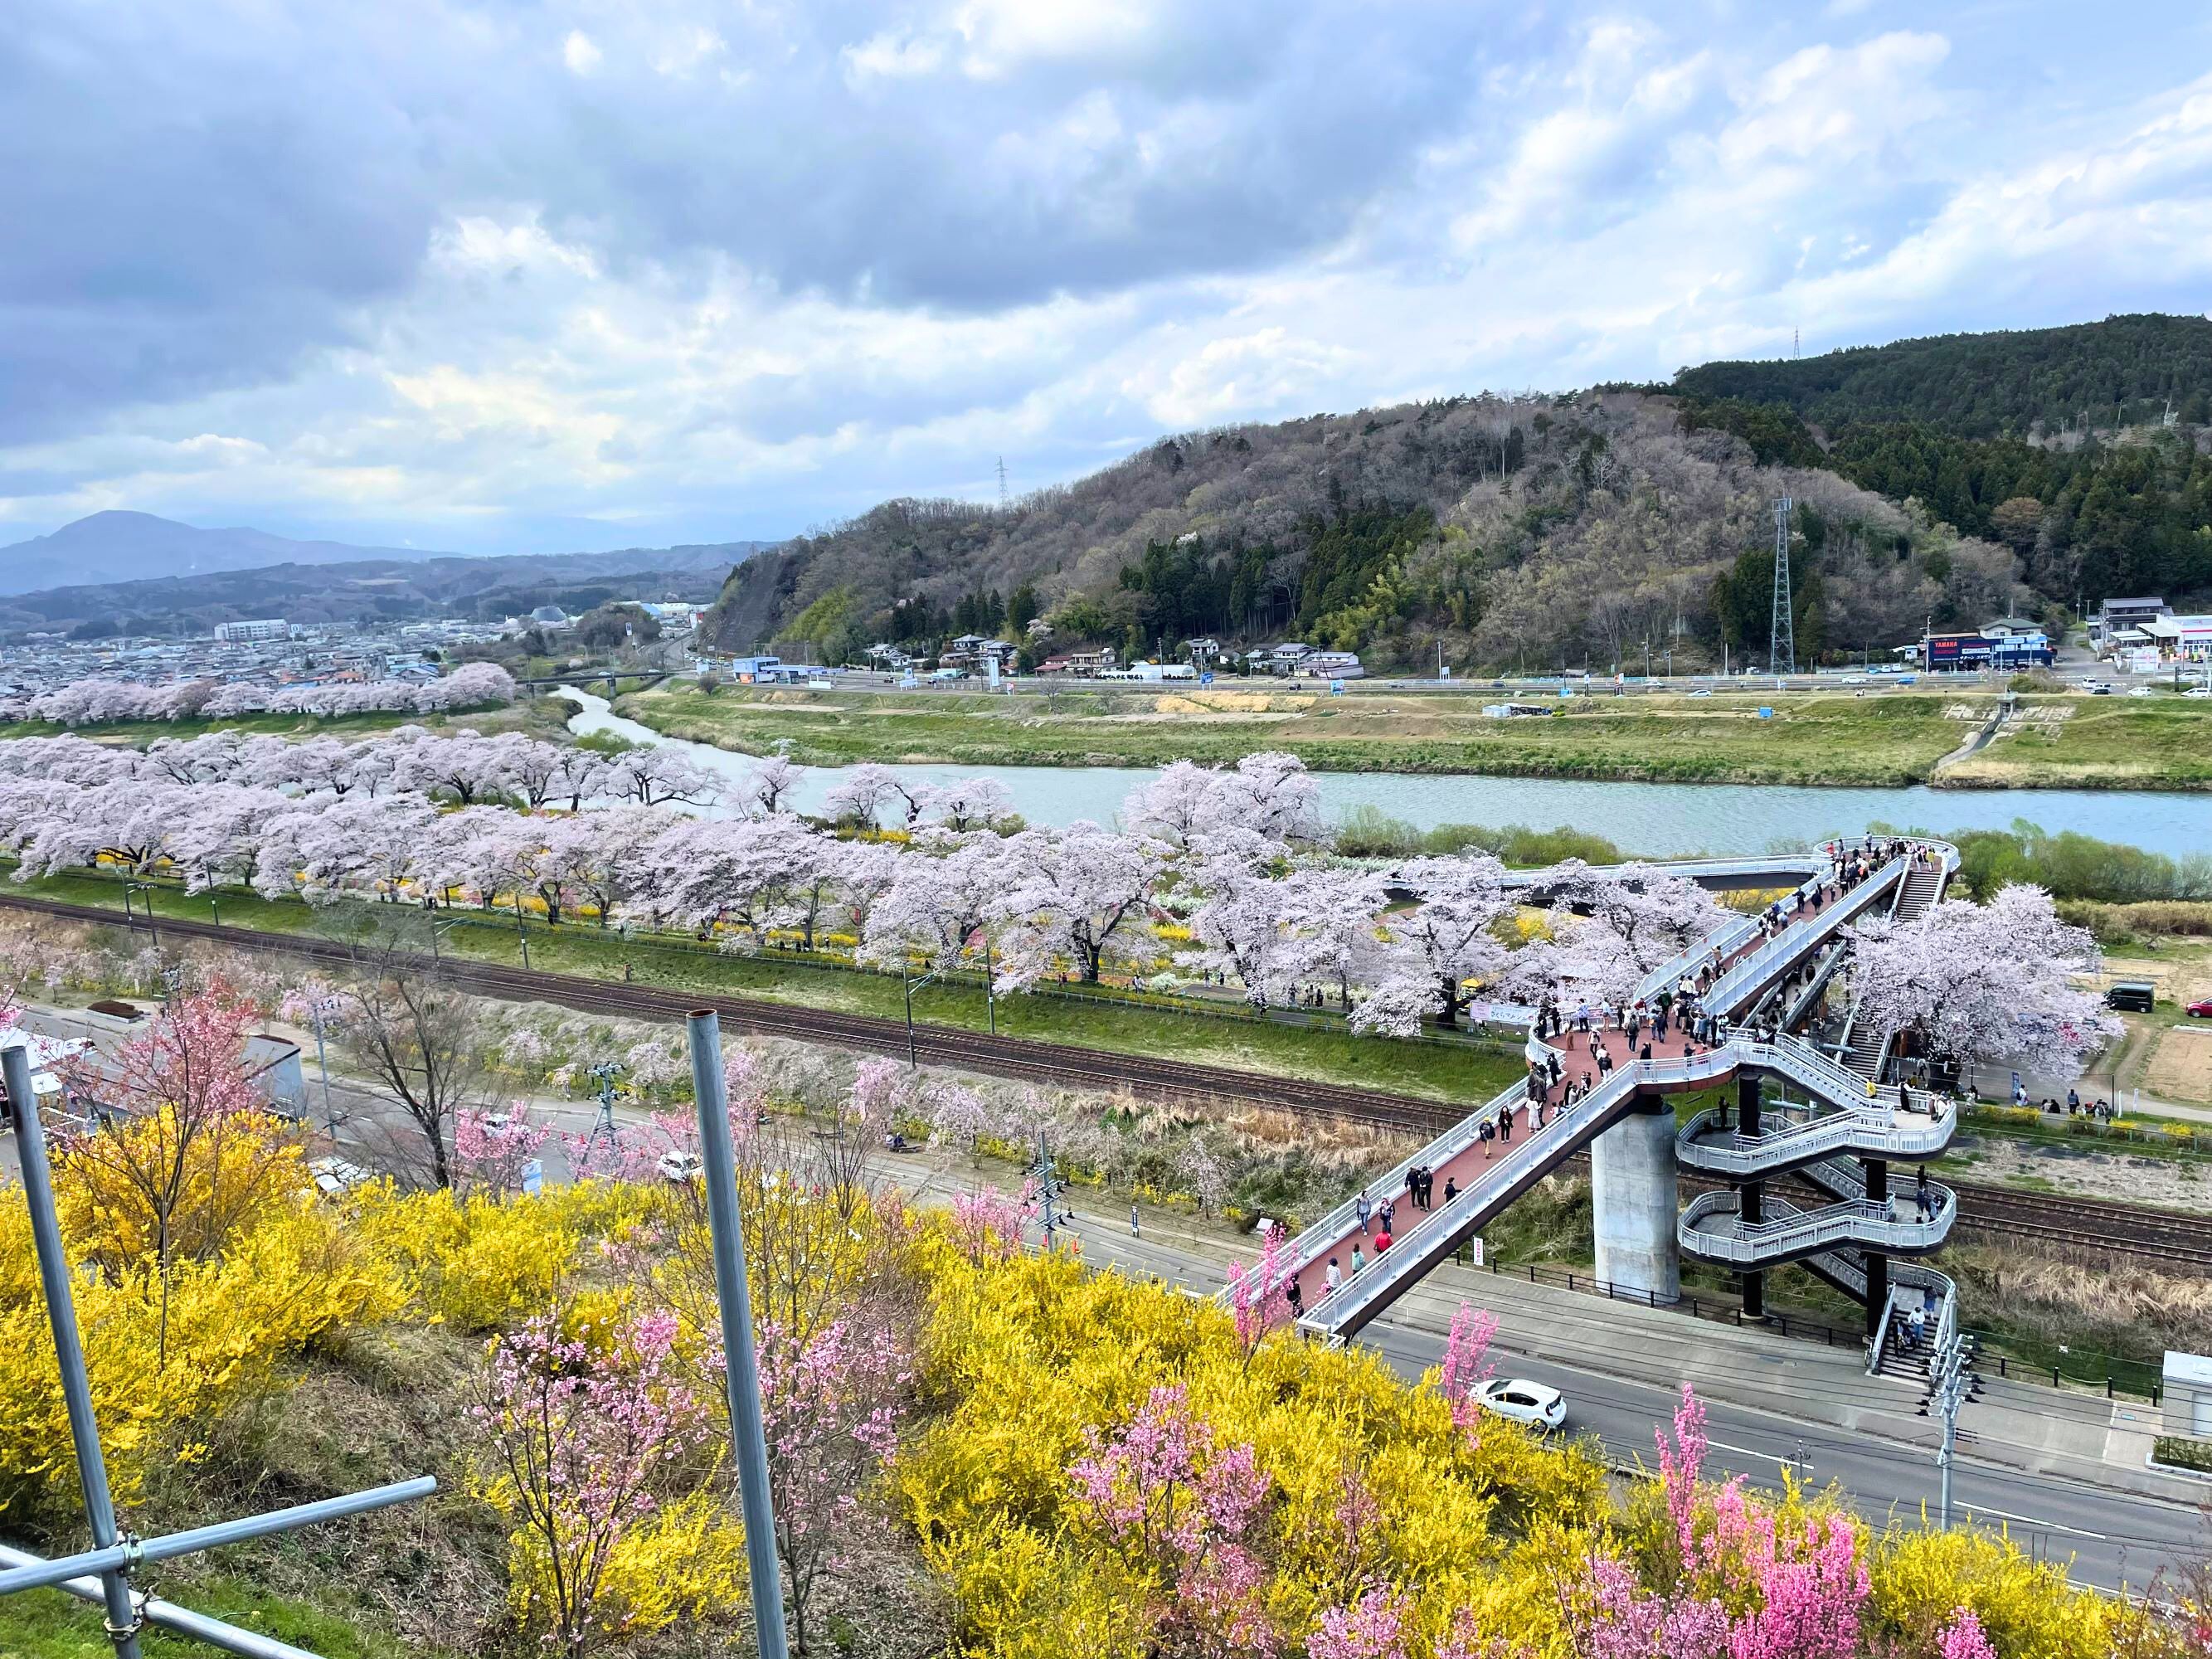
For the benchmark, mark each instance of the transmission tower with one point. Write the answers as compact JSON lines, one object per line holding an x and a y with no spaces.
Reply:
{"x":1782,"y":632}
{"x":1002,"y":481}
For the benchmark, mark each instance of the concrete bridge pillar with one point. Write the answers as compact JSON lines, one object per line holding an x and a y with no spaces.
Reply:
{"x":1635,"y":1203}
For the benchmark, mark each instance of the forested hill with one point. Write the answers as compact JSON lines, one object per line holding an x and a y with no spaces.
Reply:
{"x":2122,"y":372}
{"x":1596,"y":529}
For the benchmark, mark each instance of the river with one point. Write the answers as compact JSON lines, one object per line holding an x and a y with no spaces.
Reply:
{"x":1656,"y":819}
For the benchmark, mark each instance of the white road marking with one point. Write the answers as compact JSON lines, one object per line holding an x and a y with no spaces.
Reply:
{"x":2032,"y":1520}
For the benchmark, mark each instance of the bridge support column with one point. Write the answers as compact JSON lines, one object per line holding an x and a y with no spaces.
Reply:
{"x":1635,"y":1203}
{"x":1877,"y":1263}
{"x":1752,"y":1198}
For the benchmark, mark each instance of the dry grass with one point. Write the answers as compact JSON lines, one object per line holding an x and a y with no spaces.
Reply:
{"x":2067,"y":1296}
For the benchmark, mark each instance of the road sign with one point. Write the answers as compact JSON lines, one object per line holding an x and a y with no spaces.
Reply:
{"x":1766,"y":713}
{"x":1474,"y":1245}
{"x":1206,"y":678}
{"x":534,"y":1178}
{"x":1336,"y":688}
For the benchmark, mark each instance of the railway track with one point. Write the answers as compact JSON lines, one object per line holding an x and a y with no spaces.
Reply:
{"x":2174,"y":1240}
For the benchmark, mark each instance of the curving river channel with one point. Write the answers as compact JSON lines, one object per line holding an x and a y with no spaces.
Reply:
{"x":1656,"y":819}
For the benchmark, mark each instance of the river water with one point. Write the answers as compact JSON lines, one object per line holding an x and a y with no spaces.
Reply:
{"x":1657,"y":819}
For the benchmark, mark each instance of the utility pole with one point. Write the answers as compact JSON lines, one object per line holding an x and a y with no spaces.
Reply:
{"x":1002,"y":481}
{"x":914,"y":984}
{"x":1049,"y":1187}
{"x":321,"y":1010}
{"x":1782,"y":631}
{"x":1950,"y":1385}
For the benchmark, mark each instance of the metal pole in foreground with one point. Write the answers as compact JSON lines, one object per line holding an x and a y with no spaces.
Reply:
{"x":167,"y":1615}
{"x":61,"y":1310}
{"x":720,"y":1170}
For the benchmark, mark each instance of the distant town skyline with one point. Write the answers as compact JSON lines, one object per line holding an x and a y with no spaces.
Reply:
{"x":554,"y":277}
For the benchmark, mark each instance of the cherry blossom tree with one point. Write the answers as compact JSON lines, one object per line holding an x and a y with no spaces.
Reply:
{"x":769,"y":789}
{"x":860,"y":794}
{"x":493,"y":1151}
{"x":1434,"y":948}
{"x":655,"y":773}
{"x":1270,"y":795}
{"x":180,"y":1155}
{"x":1071,"y":897}
{"x":1242,"y":928}
{"x":1466,"y":1366}
{"x":970,"y":804}
{"x":1994,"y":982}
{"x":830,"y":1406}
{"x":1259,"y":1296}
{"x":935,"y":901}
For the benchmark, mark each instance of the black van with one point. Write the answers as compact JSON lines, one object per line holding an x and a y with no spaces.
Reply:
{"x":2131,"y":996}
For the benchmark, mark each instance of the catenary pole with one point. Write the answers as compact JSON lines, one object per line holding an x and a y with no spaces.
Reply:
{"x":719,"y":1164}
{"x":61,"y":1311}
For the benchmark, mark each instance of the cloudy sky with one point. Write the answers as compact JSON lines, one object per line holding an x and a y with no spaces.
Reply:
{"x":508,"y":275}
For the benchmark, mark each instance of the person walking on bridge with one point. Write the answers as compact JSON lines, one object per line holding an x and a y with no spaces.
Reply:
{"x":1363,"y":1209}
{"x":1333,"y":1280}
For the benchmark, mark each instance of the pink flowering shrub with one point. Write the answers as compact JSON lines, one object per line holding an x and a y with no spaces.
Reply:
{"x":1184,"y":1511}
{"x":1740,"y":1586}
{"x":578,"y":1441}
{"x":1259,"y":1296}
{"x":988,"y":1224}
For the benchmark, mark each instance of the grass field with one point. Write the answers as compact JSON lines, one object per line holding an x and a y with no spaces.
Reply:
{"x":1886,"y":737}
{"x":2161,"y":742}
{"x":48,"y":1625}
{"x":1447,"y":1071}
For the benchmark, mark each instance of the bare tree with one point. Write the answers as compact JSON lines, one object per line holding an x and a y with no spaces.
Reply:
{"x":419,"y":1042}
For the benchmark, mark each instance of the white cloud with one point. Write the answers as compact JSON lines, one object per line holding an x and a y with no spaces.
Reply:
{"x":889,"y":56}
{"x":579,"y":53}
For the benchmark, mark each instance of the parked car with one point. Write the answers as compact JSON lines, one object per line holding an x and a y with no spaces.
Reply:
{"x":679,"y":1167}
{"x":2098,"y":688}
{"x":1523,"y":1401}
{"x":334,"y":1175}
{"x":2201,"y":1009}
{"x":2199,"y":691}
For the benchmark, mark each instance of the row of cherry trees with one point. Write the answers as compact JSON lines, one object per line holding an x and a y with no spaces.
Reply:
{"x":1223,"y":876}
{"x":1214,"y":874}
{"x":99,"y":702}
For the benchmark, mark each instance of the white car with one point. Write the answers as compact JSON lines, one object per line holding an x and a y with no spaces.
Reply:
{"x":1523,"y":1401}
{"x":2199,"y":691}
{"x":334,"y":1175}
{"x":2140,"y":691}
{"x":679,"y":1167}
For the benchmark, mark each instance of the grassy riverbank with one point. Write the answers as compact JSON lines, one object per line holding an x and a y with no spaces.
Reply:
{"x":1454,"y":1071}
{"x":2161,"y":742}
{"x":1833,"y":737}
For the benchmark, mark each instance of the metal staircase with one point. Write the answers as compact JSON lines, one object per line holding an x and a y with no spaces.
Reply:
{"x":1852,"y":1120}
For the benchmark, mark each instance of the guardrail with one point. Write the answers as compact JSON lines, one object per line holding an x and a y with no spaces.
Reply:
{"x":1862,"y":1222}
{"x":1330,"y":1229}
{"x":1413,"y":1254}
{"x":1869,"y":1132}
{"x":1732,"y":988}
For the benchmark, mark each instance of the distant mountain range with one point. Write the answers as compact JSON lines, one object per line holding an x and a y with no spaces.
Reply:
{"x":122,"y":547}
{"x":135,"y":573}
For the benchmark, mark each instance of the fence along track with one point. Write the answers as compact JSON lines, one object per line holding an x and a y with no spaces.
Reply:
{"x":2087,"y":1223}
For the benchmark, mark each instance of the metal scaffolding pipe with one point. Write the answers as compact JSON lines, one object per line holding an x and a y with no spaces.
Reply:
{"x":61,"y":1314}
{"x":718,"y":1167}
{"x":167,"y":1615}
{"x":134,"y":1552}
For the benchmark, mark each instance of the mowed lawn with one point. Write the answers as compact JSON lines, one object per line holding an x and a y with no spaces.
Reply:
{"x":1447,"y":1071}
{"x":1838,"y":738}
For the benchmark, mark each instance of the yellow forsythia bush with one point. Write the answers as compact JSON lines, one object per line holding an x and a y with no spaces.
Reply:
{"x":2026,"y":1607}
{"x":1021,"y":1357}
{"x":162,"y":1366}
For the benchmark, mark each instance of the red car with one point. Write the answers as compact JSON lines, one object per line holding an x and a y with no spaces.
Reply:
{"x":2201,"y":1009}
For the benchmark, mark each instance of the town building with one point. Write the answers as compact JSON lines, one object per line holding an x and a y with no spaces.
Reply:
{"x":1994,"y":647}
{"x":245,"y":633}
{"x":2115,"y":617}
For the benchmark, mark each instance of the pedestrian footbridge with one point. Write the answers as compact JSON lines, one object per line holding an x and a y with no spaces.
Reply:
{"x":1834,"y":1136}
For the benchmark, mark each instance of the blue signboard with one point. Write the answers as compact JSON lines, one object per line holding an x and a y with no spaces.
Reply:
{"x":1206,"y":678}
{"x":1766,"y":713}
